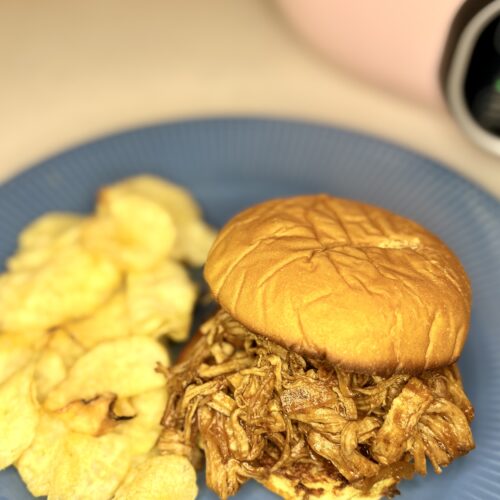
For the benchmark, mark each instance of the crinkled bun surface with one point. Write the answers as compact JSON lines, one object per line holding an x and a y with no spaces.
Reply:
{"x":369,"y":290}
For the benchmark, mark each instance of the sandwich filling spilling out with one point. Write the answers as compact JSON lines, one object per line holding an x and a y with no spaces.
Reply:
{"x":253,"y":409}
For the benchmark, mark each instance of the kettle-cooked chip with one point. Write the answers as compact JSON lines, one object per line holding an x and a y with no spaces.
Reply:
{"x":109,"y":321}
{"x":68,"y":286}
{"x":144,"y":429}
{"x":39,"y":241}
{"x":48,"y":228}
{"x":50,"y":370}
{"x":161,"y":301}
{"x":68,"y":348}
{"x":19,"y":415}
{"x":80,"y":306}
{"x":195,"y":242}
{"x":123,"y":408}
{"x":159,"y":477}
{"x":124,"y":366}
{"x":131,"y":231}
{"x":93,"y":417}
{"x":150,"y":406}
{"x":174,"y":198}
{"x":89,"y":467}
{"x":36,"y":464}
{"x":16,"y":350}
{"x":194,"y":237}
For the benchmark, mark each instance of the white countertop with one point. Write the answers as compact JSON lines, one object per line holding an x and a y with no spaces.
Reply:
{"x":71,"y":71}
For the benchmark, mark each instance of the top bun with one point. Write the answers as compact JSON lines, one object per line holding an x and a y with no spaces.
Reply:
{"x":369,"y":290}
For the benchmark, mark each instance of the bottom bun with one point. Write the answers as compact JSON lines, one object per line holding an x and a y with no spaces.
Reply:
{"x":290,"y":489}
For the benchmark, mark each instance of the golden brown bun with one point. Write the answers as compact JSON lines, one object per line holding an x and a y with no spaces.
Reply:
{"x":368,"y":290}
{"x":331,"y":490}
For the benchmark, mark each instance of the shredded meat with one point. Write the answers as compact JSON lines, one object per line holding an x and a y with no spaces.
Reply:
{"x":255,"y":408}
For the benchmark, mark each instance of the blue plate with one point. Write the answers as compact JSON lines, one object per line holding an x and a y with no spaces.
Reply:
{"x":231,"y":163}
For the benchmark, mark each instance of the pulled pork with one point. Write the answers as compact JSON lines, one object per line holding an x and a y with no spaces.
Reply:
{"x":256,"y":408}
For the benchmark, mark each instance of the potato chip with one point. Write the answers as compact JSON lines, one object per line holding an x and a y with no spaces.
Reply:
{"x":50,"y":370}
{"x":16,"y":351}
{"x":70,"y":285}
{"x":131,"y":231}
{"x":18,"y":415}
{"x":140,"y":439}
{"x":123,"y":407}
{"x":36,"y":339}
{"x":195,"y":242}
{"x":68,"y":348}
{"x":144,"y":429}
{"x":161,"y":301}
{"x":125,"y":367}
{"x":174,"y":198}
{"x":194,"y":237}
{"x":109,"y":321}
{"x":42,"y":238}
{"x":37,"y":463}
{"x":46,"y":229}
{"x":93,"y":417}
{"x":150,"y":406}
{"x":89,"y":467}
{"x":82,"y":301}
{"x":159,"y":477}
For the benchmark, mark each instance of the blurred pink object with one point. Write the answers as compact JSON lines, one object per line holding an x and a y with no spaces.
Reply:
{"x":397,"y":44}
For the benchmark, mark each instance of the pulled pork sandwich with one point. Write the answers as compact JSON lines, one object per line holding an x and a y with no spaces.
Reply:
{"x":328,"y":371}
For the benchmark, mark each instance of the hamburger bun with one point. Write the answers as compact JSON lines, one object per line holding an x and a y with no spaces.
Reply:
{"x":368,"y":290}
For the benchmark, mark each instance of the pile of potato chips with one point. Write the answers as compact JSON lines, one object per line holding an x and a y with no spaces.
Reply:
{"x":83,"y":304}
